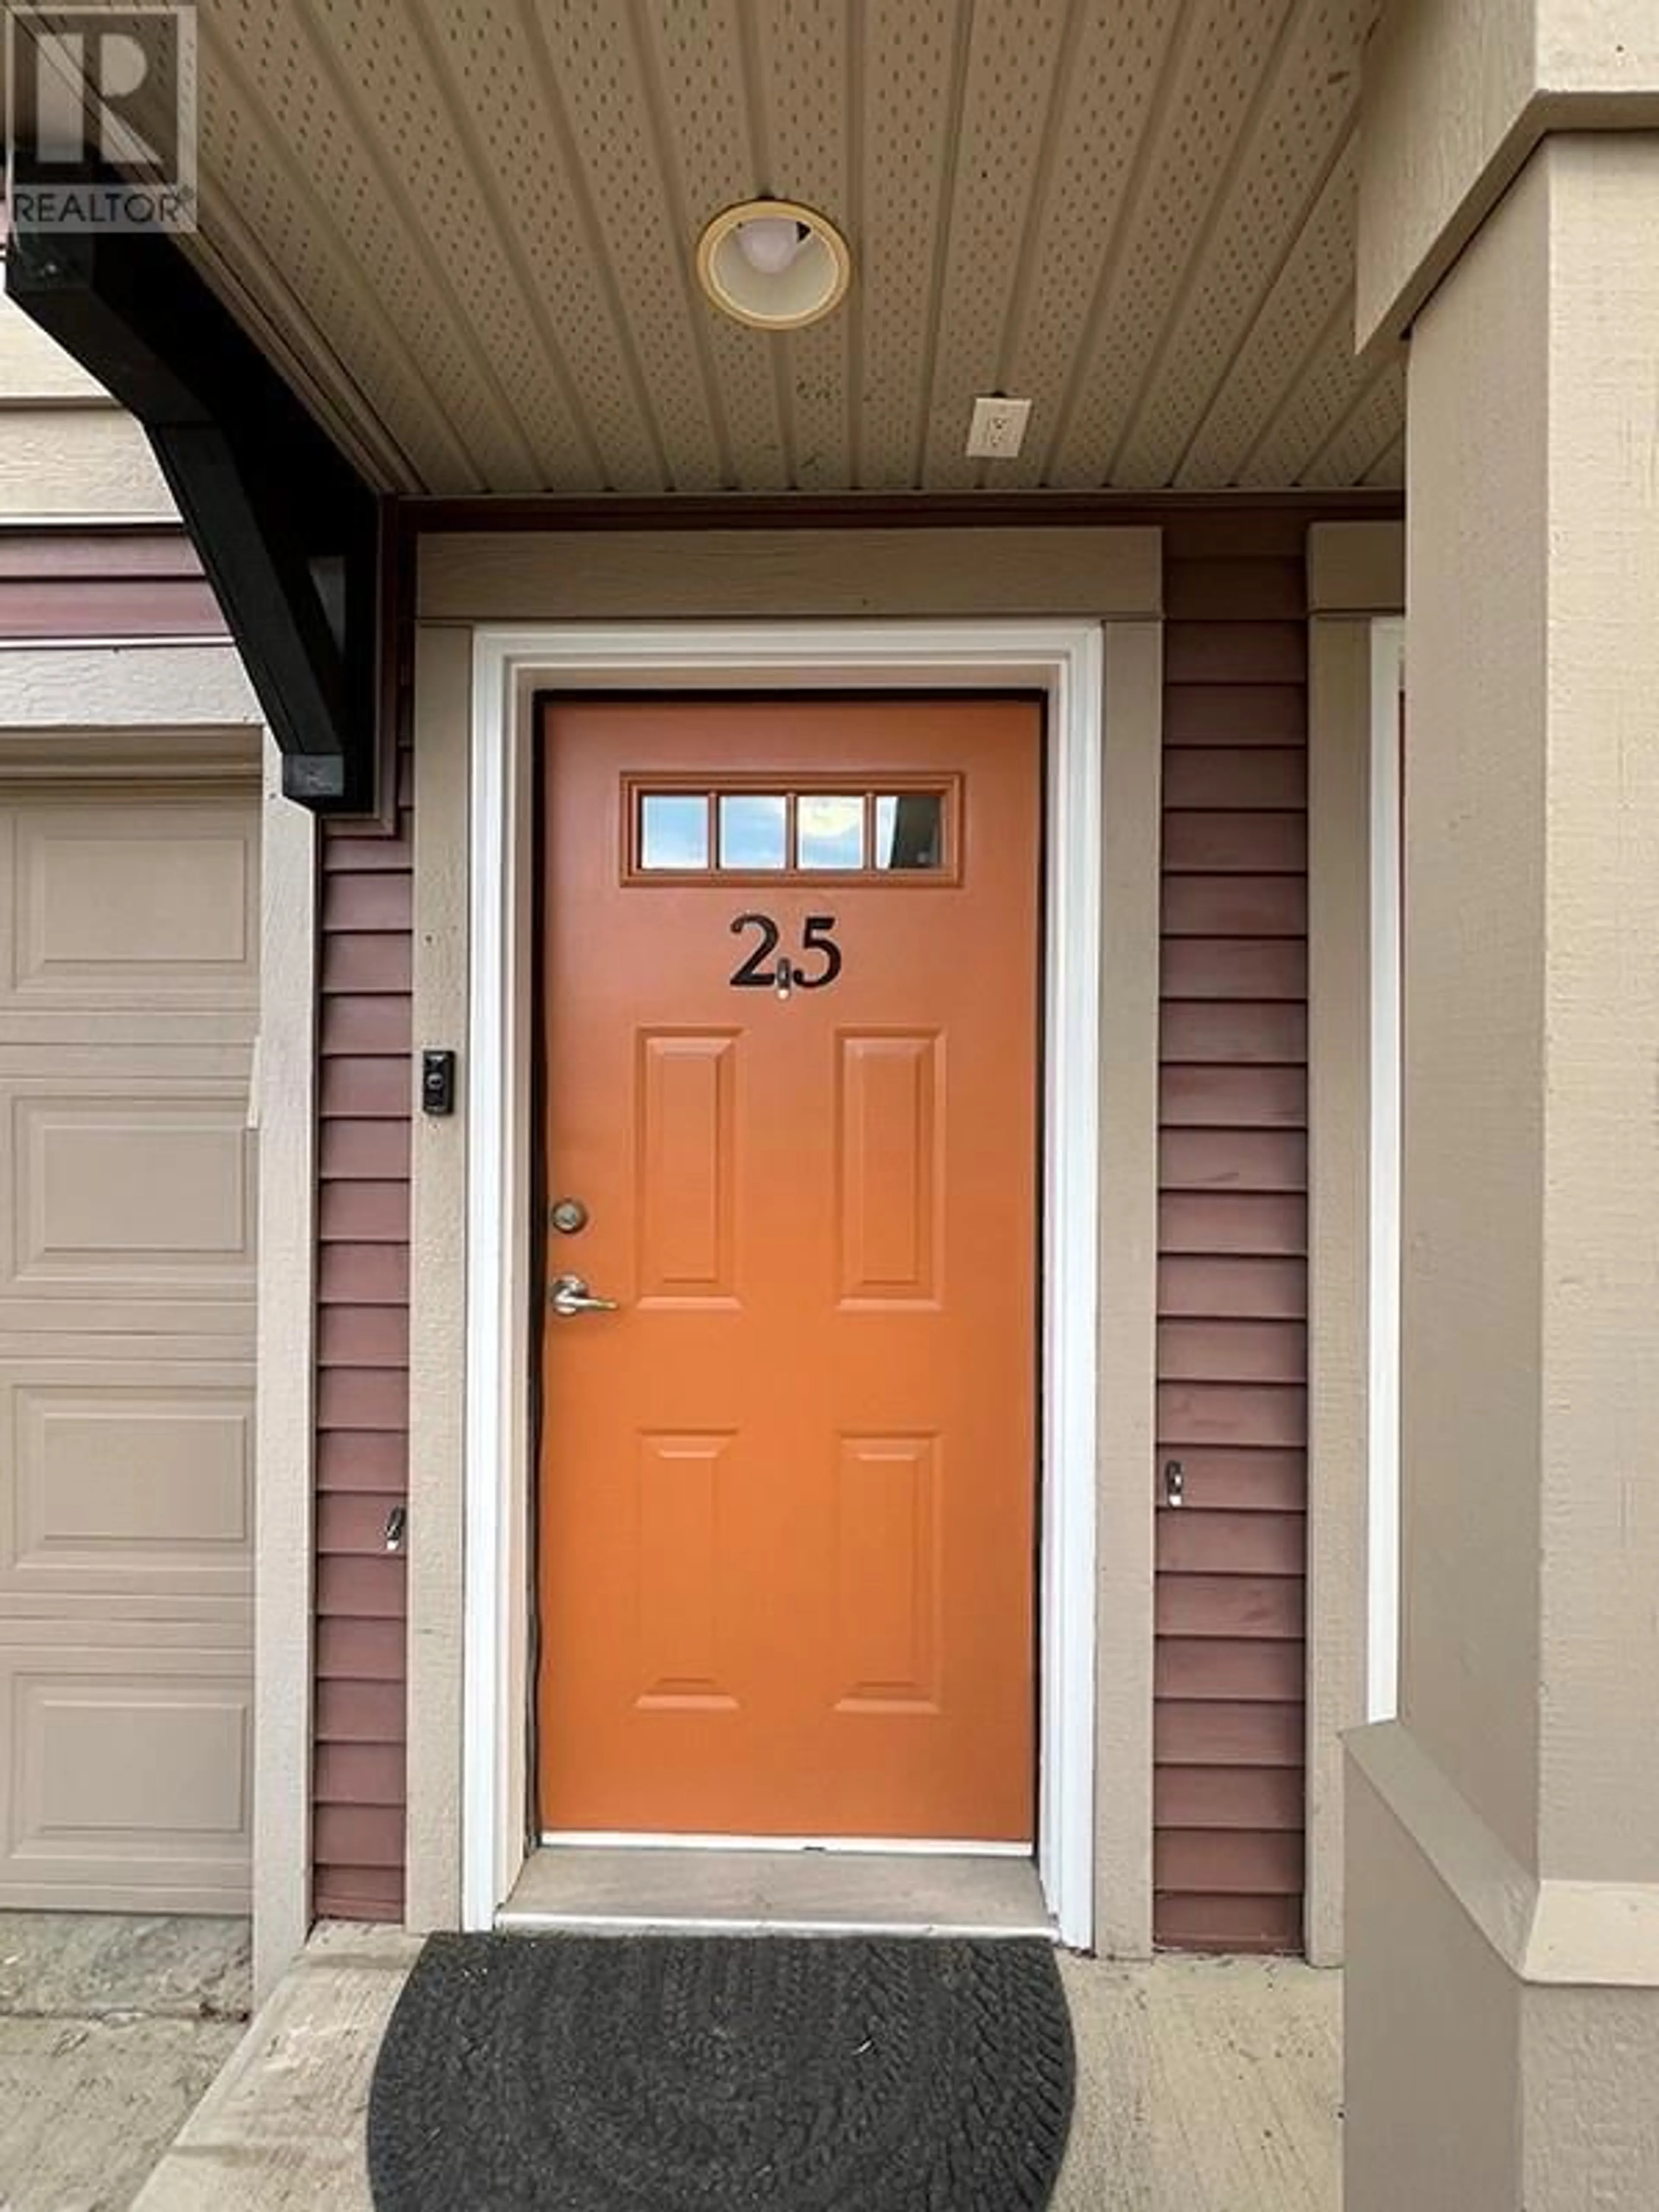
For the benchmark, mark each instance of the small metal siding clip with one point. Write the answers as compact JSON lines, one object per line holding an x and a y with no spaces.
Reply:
{"x":396,"y":1523}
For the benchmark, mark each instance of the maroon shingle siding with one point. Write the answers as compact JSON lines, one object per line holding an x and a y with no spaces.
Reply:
{"x":1233,"y":1275}
{"x":362,"y":1366}
{"x":77,"y":582}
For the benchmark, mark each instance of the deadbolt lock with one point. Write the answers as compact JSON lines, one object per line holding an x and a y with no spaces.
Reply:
{"x":568,"y":1215}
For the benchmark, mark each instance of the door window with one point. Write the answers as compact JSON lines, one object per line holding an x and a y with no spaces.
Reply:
{"x":880,"y":834}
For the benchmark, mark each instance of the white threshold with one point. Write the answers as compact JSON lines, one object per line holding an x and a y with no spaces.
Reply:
{"x":630,"y":1839}
{"x":1065,"y":662}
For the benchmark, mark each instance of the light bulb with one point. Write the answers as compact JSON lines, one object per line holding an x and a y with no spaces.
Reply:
{"x":770,"y":242}
{"x":772,"y":263}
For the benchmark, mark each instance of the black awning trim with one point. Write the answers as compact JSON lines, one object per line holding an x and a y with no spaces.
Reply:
{"x":289,"y":533}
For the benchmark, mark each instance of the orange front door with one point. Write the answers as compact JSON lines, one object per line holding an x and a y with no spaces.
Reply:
{"x":787,"y":1486}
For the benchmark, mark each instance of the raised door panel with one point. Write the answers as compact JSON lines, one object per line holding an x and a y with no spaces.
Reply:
{"x":889,"y":1164}
{"x":131,"y":1200}
{"x":680,"y":1603}
{"x":890,"y":1572}
{"x":686,"y":1103}
{"x":128,"y":1775}
{"x":122,"y":1483}
{"x":136,"y":903}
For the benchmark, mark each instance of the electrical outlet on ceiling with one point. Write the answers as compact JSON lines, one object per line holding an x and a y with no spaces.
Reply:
{"x":997,"y":428}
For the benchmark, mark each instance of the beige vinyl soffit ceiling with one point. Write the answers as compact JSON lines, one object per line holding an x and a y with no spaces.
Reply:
{"x":467,"y":229}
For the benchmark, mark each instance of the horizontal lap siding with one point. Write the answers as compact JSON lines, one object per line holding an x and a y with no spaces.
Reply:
{"x":73,"y":583}
{"x":362,"y":1367}
{"x":1228,"y":1794}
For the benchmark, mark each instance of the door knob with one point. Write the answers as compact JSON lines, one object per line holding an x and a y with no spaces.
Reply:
{"x":570,"y":1295}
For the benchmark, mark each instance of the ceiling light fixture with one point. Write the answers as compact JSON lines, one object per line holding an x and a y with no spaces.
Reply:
{"x":772,"y":264}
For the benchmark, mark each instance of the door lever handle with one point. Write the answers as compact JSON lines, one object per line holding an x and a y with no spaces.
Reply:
{"x":570,"y":1295}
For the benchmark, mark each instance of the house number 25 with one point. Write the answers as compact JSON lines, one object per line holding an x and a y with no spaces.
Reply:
{"x":759,"y":973}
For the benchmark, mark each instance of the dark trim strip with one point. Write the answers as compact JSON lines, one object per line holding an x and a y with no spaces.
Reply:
{"x":54,"y":527}
{"x":289,"y":534}
{"x":879,"y":510}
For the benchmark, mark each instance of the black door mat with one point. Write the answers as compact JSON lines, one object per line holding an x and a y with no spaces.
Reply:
{"x":722,"y":2073}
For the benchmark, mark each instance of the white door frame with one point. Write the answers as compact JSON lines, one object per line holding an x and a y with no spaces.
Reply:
{"x":1065,"y":662}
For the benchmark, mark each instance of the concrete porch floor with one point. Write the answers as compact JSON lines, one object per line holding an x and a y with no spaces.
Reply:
{"x":112,"y":2025}
{"x":1203,"y":2086}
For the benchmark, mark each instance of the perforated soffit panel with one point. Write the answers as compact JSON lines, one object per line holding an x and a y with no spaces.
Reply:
{"x":465,"y":227}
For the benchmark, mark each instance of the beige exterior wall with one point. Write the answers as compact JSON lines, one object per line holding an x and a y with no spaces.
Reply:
{"x":66,"y":449}
{"x":1499,"y":2032}
{"x":77,"y":465}
{"x":737,"y":575}
{"x":1598,"y":1724}
{"x":1356,"y":571}
{"x":1476,"y":836}
{"x":1430,"y":2029}
{"x":1534,"y":661}
{"x":643,"y":575}
{"x":1521,"y":1784}
{"x":33,"y":368}
{"x":437,"y":1320}
{"x":1587,"y":2060}
{"x":1128,"y":1291}
{"x":1458,"y":93}
{"x":285,"y":1104}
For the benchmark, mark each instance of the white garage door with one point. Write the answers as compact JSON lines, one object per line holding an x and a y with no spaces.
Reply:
{"x":128,"y":984}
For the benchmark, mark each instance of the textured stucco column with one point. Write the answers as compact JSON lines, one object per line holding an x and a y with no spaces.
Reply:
{"x":1503,"y":1881}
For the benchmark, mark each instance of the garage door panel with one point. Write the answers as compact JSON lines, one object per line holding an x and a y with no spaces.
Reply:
{"x":127,"y":1763}
{"x":129,"y":947}
{"x":201,"y":1336}
{"x":124,"y":1046}
{"x":125,"y":1487}
{"x":102,"y":1621}
{"x":195,"y":1035}
{"x":151,"y":903}
{"x":127,"y":1193}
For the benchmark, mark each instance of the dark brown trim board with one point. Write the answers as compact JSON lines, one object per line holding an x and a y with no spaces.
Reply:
{"x":920,"y":510}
